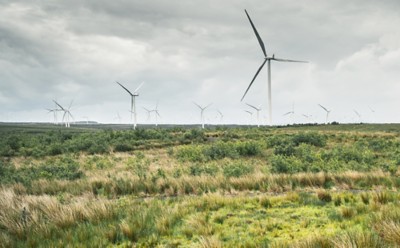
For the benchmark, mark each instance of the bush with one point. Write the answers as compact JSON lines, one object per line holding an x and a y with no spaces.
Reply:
{"x":237,"y":169}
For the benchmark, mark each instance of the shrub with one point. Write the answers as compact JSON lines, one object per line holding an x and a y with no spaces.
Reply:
{"x":237,"y":169}
{"x":314,"y":139}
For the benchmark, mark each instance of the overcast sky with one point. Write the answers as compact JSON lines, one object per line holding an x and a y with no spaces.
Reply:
{"x":203,"y":51}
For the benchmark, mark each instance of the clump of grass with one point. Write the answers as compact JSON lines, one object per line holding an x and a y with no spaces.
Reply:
{"x":358,"y":238}
{"x":265,"y":202}
{"x":382,"y":197}
{"x":209,"y":242}
{"x":347,"y":212}
{"x":324,"y":196}
{"x":198,"y":224}
{"x":365,"y":197}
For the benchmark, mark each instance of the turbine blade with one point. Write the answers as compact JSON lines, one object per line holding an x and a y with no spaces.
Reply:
{"x":198,"y":105}
{"x":59,"y":105}
{"x":289,"y":60}
{"x":323,"y":108}
{"x":257,"y":35}
{"x":252,"y":106}
{"x":139,"y":87}
{"x":254,"y":78}
{"x":208,"y":105}
{"x":125,"y":88}
{"x":288,"y":113}
{"x":249,"y":112}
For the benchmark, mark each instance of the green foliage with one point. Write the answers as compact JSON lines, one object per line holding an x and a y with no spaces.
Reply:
{"x":61,"y":168}
{"x":237,"y":169}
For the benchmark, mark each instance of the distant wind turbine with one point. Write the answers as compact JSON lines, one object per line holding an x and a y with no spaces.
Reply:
{"x":54,"y":111}
{"x":148,"y":113}
{"x":358,"y":114}
{"x":327,"y":113}
{"x":118,"y":117}
{"x":221,"y":116}
{"x":291,"y":113}
{"x":258,"y":112}
{"x":266,"y":59}
{"x":251,"y":115}
{"x":67,"y":113}
{"x":133,"y":106}
{"x":202,"y":112}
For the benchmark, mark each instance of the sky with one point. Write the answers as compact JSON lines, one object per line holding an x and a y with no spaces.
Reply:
{"x":200,"y":51}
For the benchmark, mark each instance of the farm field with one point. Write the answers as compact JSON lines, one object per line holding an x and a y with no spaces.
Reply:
{"x":109,"y":186}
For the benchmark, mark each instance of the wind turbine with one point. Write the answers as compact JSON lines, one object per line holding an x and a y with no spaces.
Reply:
{"x":133,"y":106}
{"x":54,"y":111}
{"x":221,"y":116}
{"x":202,"y":112}
{"x":358,"y":114}
{"x":327,"y":112}
{"x":291,"y":113}
{"x":266,"y":59}
{"x":118,"y":117}
{"x":156,"y":114}
{"x":258,"y":111}
{"x":251,"y":115}
{"x":148,"y":113}
{"x":67,"y":113}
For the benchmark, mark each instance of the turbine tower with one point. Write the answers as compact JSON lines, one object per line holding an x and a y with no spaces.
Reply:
{"x":133,"y":106}
{"x":202,"y":112}
{"x":258,"y":112}
{"x":266,"y":59}
{"x":327,"y":113}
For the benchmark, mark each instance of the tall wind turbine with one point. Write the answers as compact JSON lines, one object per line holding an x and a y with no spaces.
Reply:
{"x":266,"y":59}
{"x":258,"y":112}
{"x":67,"y":113}
{"x":202,"y":112}
{"x":327,"y":113}
{"x":133,"y":106}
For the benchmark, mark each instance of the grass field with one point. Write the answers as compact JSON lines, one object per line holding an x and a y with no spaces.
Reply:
{"x":109,"y":186}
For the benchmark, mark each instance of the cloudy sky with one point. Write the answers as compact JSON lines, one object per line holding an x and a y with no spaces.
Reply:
{"x":202,"y":51}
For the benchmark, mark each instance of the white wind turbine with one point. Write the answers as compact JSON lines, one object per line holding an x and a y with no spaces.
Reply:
{"x":118,"y":117}
{"x":327,"y":113}
{"x":258,"y":112}
{"x":148,"y":113}
{"x":67,"y":113}
{"x":291,"y":113}
{"x":266,"y":59}
{"x":202,"y":112}
{"x":54,"y":111}
{"x":221,"y":116}
{"x":358,"y":114}
{"x":133,"y":97}
{"x":251,"y":115}
{"x":156,"y":113}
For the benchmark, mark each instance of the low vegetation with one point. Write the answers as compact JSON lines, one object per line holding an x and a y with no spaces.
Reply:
{"x":316,"y":186}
